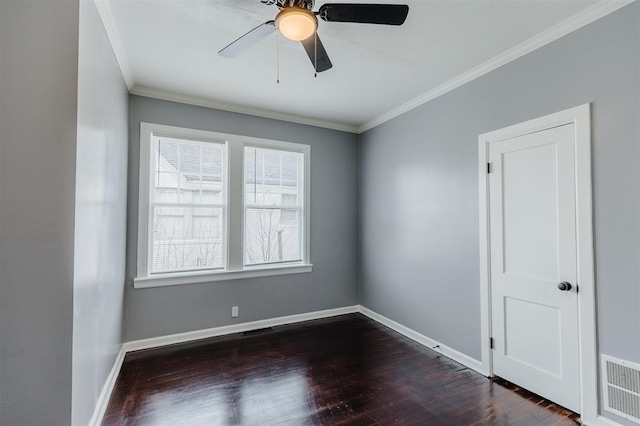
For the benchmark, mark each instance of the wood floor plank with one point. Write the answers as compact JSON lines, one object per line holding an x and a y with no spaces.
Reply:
{"x":346,"y":370}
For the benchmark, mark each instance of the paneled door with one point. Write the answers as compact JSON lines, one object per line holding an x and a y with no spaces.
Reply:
{"x":534,"y":299}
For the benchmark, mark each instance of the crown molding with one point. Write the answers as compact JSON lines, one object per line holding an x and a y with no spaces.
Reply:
{"x":577,"y":21}
{"x":104,"y":10}
{"x":587,"y":16}
{"x":257,"y":112}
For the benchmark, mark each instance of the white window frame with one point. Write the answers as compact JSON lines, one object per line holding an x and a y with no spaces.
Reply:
{"x":235,"y":216}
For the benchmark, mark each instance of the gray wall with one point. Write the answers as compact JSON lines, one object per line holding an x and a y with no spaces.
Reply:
{"x":38,"y":76}
{"x":100,"y":216}
{"x":419,"y":242}
{"x":333,"y":282}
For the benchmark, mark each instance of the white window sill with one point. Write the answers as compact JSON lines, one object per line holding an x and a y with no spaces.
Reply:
{"x":210,"y":276}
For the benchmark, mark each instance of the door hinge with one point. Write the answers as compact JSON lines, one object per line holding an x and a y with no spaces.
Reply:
{"x":489,"y":168}
{"x":491,"y":342}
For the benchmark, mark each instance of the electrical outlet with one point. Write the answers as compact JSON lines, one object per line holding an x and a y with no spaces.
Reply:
{"x":234,"y":311}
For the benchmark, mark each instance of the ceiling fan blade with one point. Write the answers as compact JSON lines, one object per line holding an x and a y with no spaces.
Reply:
{"x":386,"y":14}
{"x":248,"y":40}
{"x":315,"y":50}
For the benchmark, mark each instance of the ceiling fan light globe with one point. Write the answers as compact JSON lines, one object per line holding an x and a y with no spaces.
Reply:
{"x":296,"y":23}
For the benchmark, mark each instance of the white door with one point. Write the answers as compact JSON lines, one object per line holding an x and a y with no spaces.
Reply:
{"x":532,"y":212}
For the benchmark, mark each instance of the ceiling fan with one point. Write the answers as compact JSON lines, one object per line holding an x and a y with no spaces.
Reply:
{"x":297,"y":21}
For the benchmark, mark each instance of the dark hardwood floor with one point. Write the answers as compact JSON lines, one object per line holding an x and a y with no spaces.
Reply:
{"x":346,"y":370}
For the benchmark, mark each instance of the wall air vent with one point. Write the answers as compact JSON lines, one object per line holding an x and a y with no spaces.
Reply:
{"x":621,"y":381}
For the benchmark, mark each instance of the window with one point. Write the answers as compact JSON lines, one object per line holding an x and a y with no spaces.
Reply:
{"x":273,"y":182}
{"x":188,"y":204}
{"x":217,"y":207}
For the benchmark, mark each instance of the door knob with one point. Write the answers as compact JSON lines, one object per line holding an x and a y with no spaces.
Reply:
{"x":564,"y":286}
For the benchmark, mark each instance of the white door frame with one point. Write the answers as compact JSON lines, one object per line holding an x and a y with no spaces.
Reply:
{"x":581,"y":118}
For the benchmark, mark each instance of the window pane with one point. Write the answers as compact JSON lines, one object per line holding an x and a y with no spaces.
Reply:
{"x":166,"y":179}
{"x":209,"y":196}
{"x":185,"y":235}
{"x":272,"y":235}
{"x":271,"y":176}
{"x":212,"y":161}
{"x":289,"y":215}
{"x":187,"y":238}
{"x":166,"y":195}
{"x":167,"y":148}
{"x":192,"y":169}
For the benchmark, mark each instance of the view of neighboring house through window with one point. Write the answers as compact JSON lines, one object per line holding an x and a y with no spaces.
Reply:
{"x":273,"y":185}
{"x":188,"y":205}
{"x":220,"y":205}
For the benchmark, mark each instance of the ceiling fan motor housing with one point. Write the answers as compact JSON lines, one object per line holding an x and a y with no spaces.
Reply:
{"x":305,"y":4}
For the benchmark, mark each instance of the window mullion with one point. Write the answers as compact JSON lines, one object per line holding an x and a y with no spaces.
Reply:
{"x":236,"y":205}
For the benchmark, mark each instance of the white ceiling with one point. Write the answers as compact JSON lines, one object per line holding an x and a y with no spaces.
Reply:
{"x":168,"y":49}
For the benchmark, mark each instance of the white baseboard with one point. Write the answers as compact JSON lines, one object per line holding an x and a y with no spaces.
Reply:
{"x":463,"y":359}
{"x":107,"y":389}
{"x":601,"y":421}
{"x":189,"y":336}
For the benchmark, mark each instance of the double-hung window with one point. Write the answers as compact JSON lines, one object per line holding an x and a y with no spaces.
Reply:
{"x":187,"y":205}
{"x":273,"y":190}
{"x":215,"y":207}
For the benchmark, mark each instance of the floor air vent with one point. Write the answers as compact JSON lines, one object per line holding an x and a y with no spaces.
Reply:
{"x":257,"y":331}
{"x":621,"y":387}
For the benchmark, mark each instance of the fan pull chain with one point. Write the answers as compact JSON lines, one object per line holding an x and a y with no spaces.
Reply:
{"x":277,"y":58}
{"x":315,"y":49}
